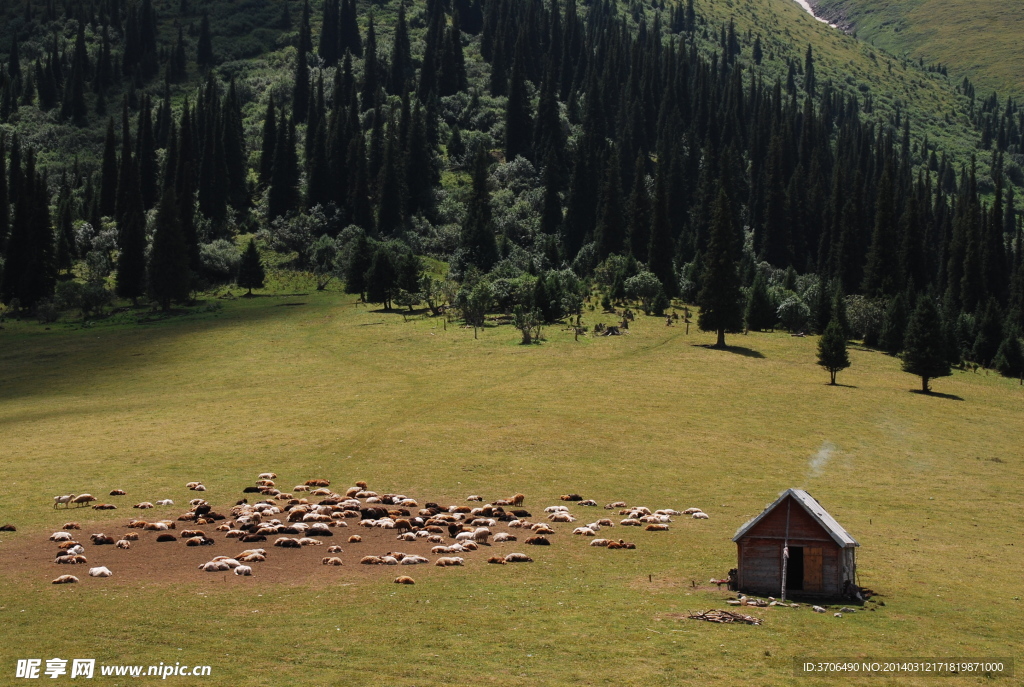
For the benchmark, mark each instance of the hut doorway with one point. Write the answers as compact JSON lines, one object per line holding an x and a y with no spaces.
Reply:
{"x":795,"y":569}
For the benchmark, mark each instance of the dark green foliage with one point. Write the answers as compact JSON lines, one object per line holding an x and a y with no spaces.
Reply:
{"x":30,"y":266}
{"x":990,"y":334}
{"x":204,"y":54}
{"x":660,"y":248}
{"x":170,"y":276}
{"x":839,"y":310}
{"x":924,"y":351}
{"x":611,"y":231}
{"x":518,"y":115}
{"x":330,"y":41}
{"x":401,"y":56}
{"x":250,"y":270}
{"x":382,"y":278}
{"x":719,"y":299}
{"x":476,"y":240}
{"x":1009,"y":360}
{"x":832,"y":354}
{"x":283,"y":196}
{"x":760,"y":312}
{"x":268,"y":148}
{"x":358,"y":265}
{"x":108,"y":173}
{"x":131,"y":242}
{"x":894,"y":326}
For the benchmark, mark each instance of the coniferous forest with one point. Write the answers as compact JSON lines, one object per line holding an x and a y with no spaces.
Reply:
{"x":544,"y":150}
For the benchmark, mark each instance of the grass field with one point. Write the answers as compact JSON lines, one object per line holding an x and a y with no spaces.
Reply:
{"x":980,"y":40}
{"x":312,"y":385}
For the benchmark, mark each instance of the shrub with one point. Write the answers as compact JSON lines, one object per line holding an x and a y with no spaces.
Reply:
{"x":220,"y":260}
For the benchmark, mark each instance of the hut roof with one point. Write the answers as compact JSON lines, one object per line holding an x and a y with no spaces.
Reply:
{"x":814,"y":509}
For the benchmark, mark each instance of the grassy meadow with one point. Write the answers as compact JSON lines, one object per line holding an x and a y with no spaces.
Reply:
{"x":310,"y":384}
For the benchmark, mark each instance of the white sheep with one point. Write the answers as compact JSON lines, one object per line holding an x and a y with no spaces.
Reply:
{"x":700,"y":515}
{"x":214,"y":566}
{"x":165,"y":502}
{"x":584,"y":531}
{"x":310,"y":541}
{"x":691,"y":511}
{"x":474,"y":497}
{"x":667,"y":511}
{"x":414,"y":560}
{"x":60,"y":536}
{"x":561,"y":517}
{"x":447,"y":561}
{"x":65,"y":579}
{"x":556,"y":509}
{"x":66,"y":499}
{"x":588,"y":502}
{"x":101,"y":571}
{"x":503,"y":537}
{"x":243,"y":570}
{"x":267,"y":475}
{"x":600,"y":542}
{"x":123,"y":544}
{"x":76,"y":550}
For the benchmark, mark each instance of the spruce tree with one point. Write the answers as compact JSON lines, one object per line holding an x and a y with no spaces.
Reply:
{"x":401,"y":56}
{"x":329,"y":39}
{"x":284,"y":180}
{"x":5,"y":221}
{"x":719,"y":298}
{"x":610,"y":233}
{"x":204,"y":55}
{"x":1009,"y":360}
{"x":760,"y":311}
{"x":300,"y":89}
{"x":477,"y":236}
{"x":518,"y":117}
{"x":131,"y":241}
{"x":990,"y":334}
{"x":108,"y":173}
{"x":924,"y":350}
{"x":267,"y":149}
{"x":832,"y":353}
{"x":660,"y":248}
{"x":371,"y":77}
{"x":169,"y":273}
{"x":250,"y":269}
{"x":358,"y":264}
{"x":894,"y":326}
{"x":381,"y":278}
{"x":639,"y":212}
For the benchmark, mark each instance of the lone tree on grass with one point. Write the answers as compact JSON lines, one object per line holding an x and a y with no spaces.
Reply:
{"x":721,"y":309}
{"x":250,"y":269}
{"x":924,"y":351}
{"x":832,"y":353}
{"x":169,"y":274}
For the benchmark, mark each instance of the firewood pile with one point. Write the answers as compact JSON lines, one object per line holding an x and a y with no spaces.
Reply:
{"x":714,"y":616}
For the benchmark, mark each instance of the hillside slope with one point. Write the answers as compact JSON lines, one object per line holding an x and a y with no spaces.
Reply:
{"x":979,"y":40}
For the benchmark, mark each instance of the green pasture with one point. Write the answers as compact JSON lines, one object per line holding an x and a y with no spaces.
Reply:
{"x":310,"y":384}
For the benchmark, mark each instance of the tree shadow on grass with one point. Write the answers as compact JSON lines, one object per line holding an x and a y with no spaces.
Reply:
{"x":845,"y":386}
{"x":936,"y":394}
{"x":738,"y":350}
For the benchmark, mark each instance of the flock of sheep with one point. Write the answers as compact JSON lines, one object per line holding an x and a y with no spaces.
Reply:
{"x":312,"y":512}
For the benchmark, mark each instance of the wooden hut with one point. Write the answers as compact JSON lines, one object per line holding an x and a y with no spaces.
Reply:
{"x":821,"y":560}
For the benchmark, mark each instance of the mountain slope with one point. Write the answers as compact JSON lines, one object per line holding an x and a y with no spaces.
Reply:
{"x":979,"y":40}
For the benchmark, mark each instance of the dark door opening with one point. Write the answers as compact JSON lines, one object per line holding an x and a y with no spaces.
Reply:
{"x":795,"y":569}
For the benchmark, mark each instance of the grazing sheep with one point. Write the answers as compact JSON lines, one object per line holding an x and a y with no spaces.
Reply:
{"x":699,"y":516}
{"x":538,"y":541}
{"x":518,"y":558}
{"x":123,"y":544}
{"x":354,"y":539}
{"x":104,"y":506}
{"x":630,"y":522}
{"x":503,"y":537}
{"x":165,"y":502}
{"x":318,"y":483}
{"x":588,"y":502}
{"x":249,"y":538}
{"x":76,"y":559}
{"x":691,"y":511}
{"x":407,"y":536}
{"x":100,"y":539}
{"x":449,"y":561}
{"x":310,"y":541}
{"x":165,"y":537}
{"x":584,"y":531}
{"x":414,"y":560}
{"x":287,"y":543}
{"x":656,"y":527}
{"x":243,"y":570}
{"x":616,"y":504}
{"x":561,"y":517}
{"x":214,"y":566}
{"x":71,"y":526}
{"x":156,"y":526}
{"x":198,"y":541}
{"x":65,"y":579}
{"x":60,"y":536}
{"x":300,"y":487}
{"x":332,"y":560}
{"x":371,"y":560}
{"x":389,"y":560}
{"x":188,"y":534}
{"x":541,"y":528}
{"x":67,"y":545}
{"x":101,"y":571}
{"x":500,"y":560}
{"x":404,"y":579}
{"x":131,"y":536}
{"x":251,"y":558}
{"x":117,"y":492}
{"x":556,"y":509}
{"x":600,"y":542}
{"x":570,"y":497}
{"x":334,"y":549}
{"x":475,"y":497}
{"x":65,"y":499}
{"x":518,"y":499}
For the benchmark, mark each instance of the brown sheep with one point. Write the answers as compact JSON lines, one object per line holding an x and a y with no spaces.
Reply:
{"x":518,"y":558}
{"x":570,"y":497}
{"x":198,"y":541}
{"x":332,"y":560}
{"x":131,"y":536}
{"x":334,"y":549}
{"x":64,"y":545}
{"x":71,"y":560}
{"x":144,"y":505}
{"x":188,"y":534}
{"x":65,"y":579}
{"x":287,"y":543}
{"x":538,"y":541}
{"x":253,"y":538}
{"x":446,"y":561}
{"x":500,"y":560}
{"x":656,"y":528}
{"x":104,"y":506}
{"x":403,"y":525}
{"x":71,"y":526}
{"x":318,"y":483}
{"x":361,"y":485}
{"x":117,"y":492}
{"x":518,"y":499}
{"x":166,"y":536}
{"x":83,"y":499}
{"x":100,"y":539}
{"x":355,"y":538}
{"x":404,"y":579}
{"x":371,"y":560}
